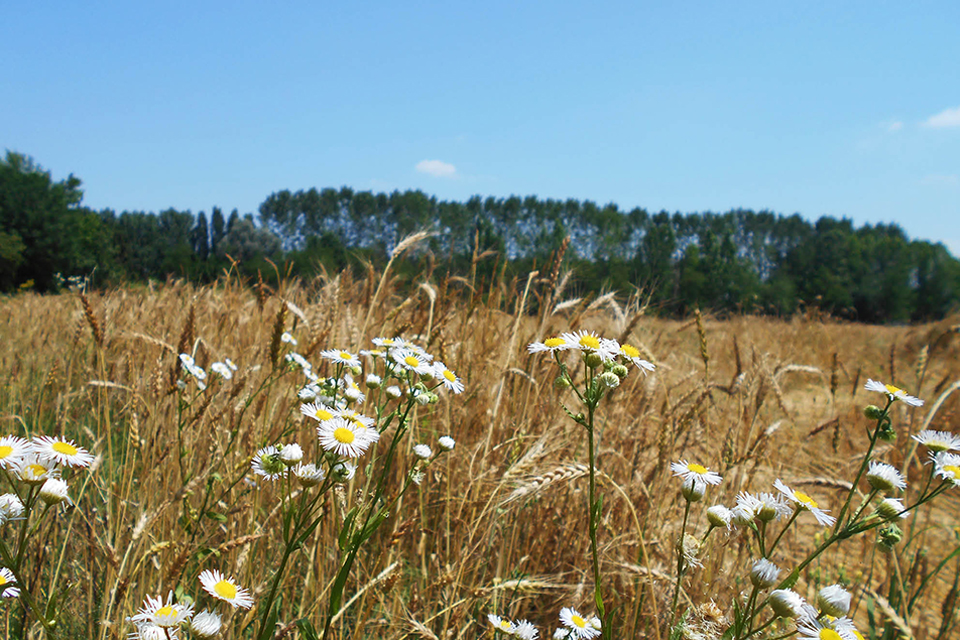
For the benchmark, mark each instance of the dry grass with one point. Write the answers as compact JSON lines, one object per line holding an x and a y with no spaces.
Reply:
{"x":498,"y":525}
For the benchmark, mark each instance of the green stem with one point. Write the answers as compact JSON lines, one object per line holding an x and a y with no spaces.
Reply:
{"x":594,"y":517}
{"x":680,"y":567}
{"x":863,"y":467}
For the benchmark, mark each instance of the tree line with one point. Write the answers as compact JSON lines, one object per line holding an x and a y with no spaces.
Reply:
{"x":737,"y":261}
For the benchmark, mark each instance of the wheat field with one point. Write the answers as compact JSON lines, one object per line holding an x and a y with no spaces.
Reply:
{"x":498,"y":524}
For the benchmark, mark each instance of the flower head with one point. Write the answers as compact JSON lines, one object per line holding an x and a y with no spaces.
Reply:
{"x":35,"y":470}
{"x":447,"y":378}
{"x":62,"y":451}
{"x":578,"y":625}
{"x":343,"y":437}
{"x":786,"y":603}
{"x":550,"y":344}
{"x":938,"y":441}
{"x":632,"y":354}
{"x":7,"y":582}
{"x":525,"y":630}
{"x":288,"y":338}
{"x":719,"y":516}
{"x":693,"y":470}
{"x":834,"y":600}
{"x":222,"y":370}
{"x":267,"y":463}
{"x":226,"y":589}
{"x":500,"y":624}
{"x":947,"y":466}
{"x":764,"y":573}
{"x":12,"y":451}
{"x":890,"y":508}
{"x":11,"y":507}
{"x":892,"y":392}
{"x":339,"y":356}
{"x":885,"y":477}
{"x":422,"y":451}
{"x":318,"y":411}
{"x":206,"y":624}
{"x":162,"y":614}
{"x":54,"y":491}
{"x":308,"y":475}
{"x":804,"y":502}
{"x":446,"y":443}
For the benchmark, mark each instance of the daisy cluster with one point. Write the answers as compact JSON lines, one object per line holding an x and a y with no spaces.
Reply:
{"x":163,"y":619}
{"x":224,"y":370}
{"x":401,"y":371}
{"x":828,"y":619}
{"x":610,"y":352}
{"x":38,"y":463}
{"x":575,"y":626}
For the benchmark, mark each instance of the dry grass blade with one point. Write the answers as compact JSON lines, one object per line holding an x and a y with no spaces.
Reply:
{"x":903,"y":629}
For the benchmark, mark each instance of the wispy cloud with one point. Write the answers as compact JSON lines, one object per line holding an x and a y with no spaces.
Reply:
{"x":437,"y":168}
{"x":941,"y":180}
{"x":894,"y":126}
{"x":946,"y":118}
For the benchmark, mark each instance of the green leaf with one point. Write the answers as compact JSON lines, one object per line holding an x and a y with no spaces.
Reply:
{"x":347,"y":529}
{"x":307,"y":630}
{"x":213,"y":515}
{"x":791,"y":580}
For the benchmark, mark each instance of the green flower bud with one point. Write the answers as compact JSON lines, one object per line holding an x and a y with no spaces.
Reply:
{"x":609,"y":380}
{"x":356,"y":371}
{"x":592,"y":360}
{"x":889,"y":537}
{"x":873,"y":412}
{"x":562,"y":382}
{"x":620,"y":371}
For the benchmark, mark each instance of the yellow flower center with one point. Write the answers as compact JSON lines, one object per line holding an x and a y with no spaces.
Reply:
{"x":629,"y":351}
{"x":892,"y":389}
{"x":64,"y":448}
{"x":806,"y":500}
{"x":5,"y":451}
{"x":953,"y":470}
{"x":322,"y":414}
{"x":411,"y":361}
{"x":344,"y":435}
{"x":553,"y":343}
{"x":165,"y":610}
{"x":829,"y":634}
{"x":225,"y":590}
{"x":36,"y":470}
{"x":346,"y":356}
{"x":505,"y":625}
{"x":857,"y":635}
{"x":3,"y":581}
{"x":590,"y":342}
{"x":449,"y":375}
{"x":577,"y":620}
{"x":696,"y":468}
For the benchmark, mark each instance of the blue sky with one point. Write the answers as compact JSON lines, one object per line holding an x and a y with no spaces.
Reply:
{"x":844,"y":109}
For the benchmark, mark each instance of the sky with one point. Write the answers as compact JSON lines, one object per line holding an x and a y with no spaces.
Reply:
{"x":845,"y":109}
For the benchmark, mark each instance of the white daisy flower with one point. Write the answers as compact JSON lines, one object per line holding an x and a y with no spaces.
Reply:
{"x":339,"y":356}
{"x":393,"y":391}
{"x":187,"y":360}
{"x":222,"y":370}
{"x":411,"y":361}
{"x":947,"y":466}
{"x":692,"y":470}
{"x":824,"y":629}
{"x":550,"y":344}
{"x":446,"y":443}
{"x":12,"y":451}
{"x":288,"y":338}
{"x":892,"y":392}
{"x":834,"y":600}
{"x":35,"y":470}
{"x":719,"y":516}
{"x":764,"y":573}
{"x":500,"y":624}
{"x":267,"y":463}
{"x":938,"y":441}
{"x":890,"y":508}
{"x":693,"y":489}
{"x":230,"y":364}
{"x":341,"y":436}
{"x":302,"y":362}
{"x":206,"y":624}
{"x":373,"y":381}
{"x":771,"y":507}
{"x":11,"y":507}
{"x":447,"y":377}
{"x":308,"y":475}
{"x":7,"y":582}
{"x":373,"y":353}
{"x":309,"y":392}
{"x":561,"y":633}
{"x":579,"y":625}
{"x":787,"y":604}
{"x":62,"y":451}
{"x":163,"y":614}
{"x":525,"y":630}
{"x":422,"y":451}
{"x":291,"y":454}
{"x":389,"y":343}
{"x":582,"y":340}
{"x":318,"y":411}
{"x":54,"y":491}
{"x":357,"y":418}
{"x":804,"y":502}
{"x":885,"y":477}
{"x":631,"y":353}
{"x":352,"y":392}
{"x":226,"y":589}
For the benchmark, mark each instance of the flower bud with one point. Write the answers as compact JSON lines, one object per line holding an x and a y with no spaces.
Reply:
{"x":291,"y":454}
{"x":719,"y":516}
{"x":54,"y":491}
{"x":394,"y":391}
{"x":422,"y":398}
{"x":562,"y":382}
{"x":355,"y":370}
{"x":891,"y":508}
{"x":620,"y":371}
{"x":609,"y":380}
{"x":764,"y":574}
{"x":373,"y":381}
{"x":592,"y":360}
{"x":889,"y":537}
{"x":786,"y":603}
{"x":834,"y":601}
{"x":873,"y":412}
{"x":446,"y":443}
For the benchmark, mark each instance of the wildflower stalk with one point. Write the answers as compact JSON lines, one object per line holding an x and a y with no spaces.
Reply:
{"x":874,"y":436}
{"x":595,"y":506}
{"x":680,"y":563}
